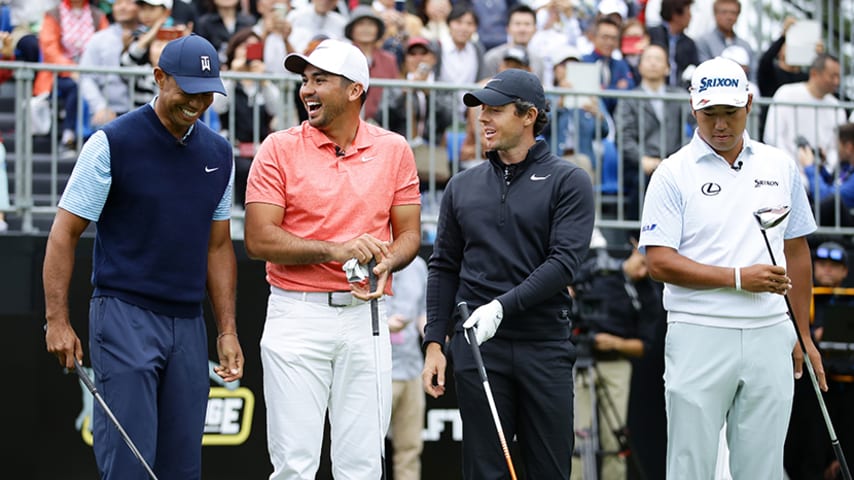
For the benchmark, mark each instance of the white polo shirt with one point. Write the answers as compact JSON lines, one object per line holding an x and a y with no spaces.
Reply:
{"x":697,"y":204}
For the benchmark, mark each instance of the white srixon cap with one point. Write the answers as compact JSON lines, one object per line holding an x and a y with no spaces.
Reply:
{"x":718,"y":81}
{"x":336,"y":57}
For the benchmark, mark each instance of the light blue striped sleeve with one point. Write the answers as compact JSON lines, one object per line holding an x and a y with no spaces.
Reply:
{"x":223,"y":210}
{"x":89,"y":184}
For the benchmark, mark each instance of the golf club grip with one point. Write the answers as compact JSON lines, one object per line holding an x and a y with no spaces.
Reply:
{"x":85,"y":378}
{"x":463,"y":308}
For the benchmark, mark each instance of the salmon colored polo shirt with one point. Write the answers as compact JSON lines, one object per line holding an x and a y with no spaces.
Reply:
{"x":331,"y":198}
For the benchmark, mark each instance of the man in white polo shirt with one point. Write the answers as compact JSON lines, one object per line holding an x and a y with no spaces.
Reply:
{"x":729,"y":345}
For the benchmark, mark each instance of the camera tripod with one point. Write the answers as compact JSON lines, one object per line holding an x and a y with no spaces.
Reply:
{"x":602,"y":407}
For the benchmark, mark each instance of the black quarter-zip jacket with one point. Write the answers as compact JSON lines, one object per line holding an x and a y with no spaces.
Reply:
{"x":520,"y":241}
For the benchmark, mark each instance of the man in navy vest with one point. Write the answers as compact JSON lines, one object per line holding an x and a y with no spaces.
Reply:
{"x":158,"y":183}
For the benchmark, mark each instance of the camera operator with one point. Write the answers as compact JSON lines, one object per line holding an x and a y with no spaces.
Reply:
{"x":618,"y":306}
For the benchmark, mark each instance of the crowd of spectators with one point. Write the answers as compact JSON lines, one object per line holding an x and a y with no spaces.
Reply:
{"x":467,"y":42}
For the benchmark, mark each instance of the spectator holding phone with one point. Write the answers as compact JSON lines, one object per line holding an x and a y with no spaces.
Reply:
{"x":154,"y":16}
{"x":106,"y":94}
{"x":244,"y":54}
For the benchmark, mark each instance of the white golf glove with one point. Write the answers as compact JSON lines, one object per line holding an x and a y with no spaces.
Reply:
{"x":486,"y":318}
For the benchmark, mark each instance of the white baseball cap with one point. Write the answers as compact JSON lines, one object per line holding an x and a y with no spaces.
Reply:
{"x":167,"y":4}
{"x":335,"y":57}
{"x":718,"y":81}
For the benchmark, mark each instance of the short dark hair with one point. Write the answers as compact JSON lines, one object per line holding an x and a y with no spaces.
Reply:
{"x":346,"y":82}
{"x":522,"y":8}
{"x":522,"y":108}
{"x":819,"y":63}
{"x":845,"y":133}
{"x":605,"y":20}
{"x":461,"y":9}
{"x":672,"y":7}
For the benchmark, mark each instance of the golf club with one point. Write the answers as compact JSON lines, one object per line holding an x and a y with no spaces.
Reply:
{"x":375,"y":325}
{"x":769,"y":218}
{"x":95,"y":393}
{"x":478,"y":359}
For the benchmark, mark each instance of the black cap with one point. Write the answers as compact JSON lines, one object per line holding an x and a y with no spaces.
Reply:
{"x":832,"y":251}
{"x":506,"y":87}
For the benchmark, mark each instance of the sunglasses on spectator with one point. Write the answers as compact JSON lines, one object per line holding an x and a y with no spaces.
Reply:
{"x":834,"y":254}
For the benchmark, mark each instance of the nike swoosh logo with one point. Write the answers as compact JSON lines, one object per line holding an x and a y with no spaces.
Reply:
{"x":209,"y":170}
{"x":367,"y":159}
{"x":535,"y":178}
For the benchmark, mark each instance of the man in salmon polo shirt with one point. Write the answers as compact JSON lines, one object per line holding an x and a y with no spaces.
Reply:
{"x":329,"y":190}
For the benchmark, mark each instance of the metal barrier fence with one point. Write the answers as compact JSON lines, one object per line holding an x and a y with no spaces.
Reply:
{"x":615,"y":207}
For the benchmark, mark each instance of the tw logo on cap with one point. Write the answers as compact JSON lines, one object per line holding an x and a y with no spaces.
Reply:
{"x":206,"y":63}
{"x":707,"y":83}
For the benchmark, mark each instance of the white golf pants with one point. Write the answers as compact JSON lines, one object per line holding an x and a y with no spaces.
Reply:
{"x":316,"y":357}
{"x":743,"y":376}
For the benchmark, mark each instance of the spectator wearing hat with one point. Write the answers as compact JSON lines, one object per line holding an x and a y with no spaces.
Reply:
{"x":365,"y":29}
{"x":512,"y":234}
{"x":723,"y":35}
{"x":521,"y":27}
{"x":317,"y":17}
{"x":808,"y":452}
{"x":410,"y":110}
{"x":157,"y":182}
{"x":154,"y":15}
{"x":725,"y":301}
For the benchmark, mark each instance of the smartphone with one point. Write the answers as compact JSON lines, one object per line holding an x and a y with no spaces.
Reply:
{"x":255,"y":51}
{"x":400,"y":5}
{"x":169,"y":33}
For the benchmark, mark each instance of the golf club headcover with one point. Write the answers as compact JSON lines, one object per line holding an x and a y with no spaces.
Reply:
{"x":486,"y":318}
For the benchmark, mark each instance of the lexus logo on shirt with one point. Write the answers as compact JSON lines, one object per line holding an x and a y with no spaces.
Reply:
{"x":711,"y":189}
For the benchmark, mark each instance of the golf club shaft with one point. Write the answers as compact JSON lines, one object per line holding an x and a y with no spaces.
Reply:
{"x":478,"y":359}
{"x":375,"y":317}
{"x":375,"y":327}
{"x":834,"y":441}
{"x":95,"y":393}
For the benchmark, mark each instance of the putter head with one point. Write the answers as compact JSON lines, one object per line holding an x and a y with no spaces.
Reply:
{"x":770,"y":217}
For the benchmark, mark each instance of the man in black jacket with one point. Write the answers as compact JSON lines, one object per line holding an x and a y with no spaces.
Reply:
{"x":511,"y":236}
{"x":681,"y":49}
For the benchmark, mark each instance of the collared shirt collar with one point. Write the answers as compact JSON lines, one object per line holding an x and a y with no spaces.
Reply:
{"x":701,"y":150}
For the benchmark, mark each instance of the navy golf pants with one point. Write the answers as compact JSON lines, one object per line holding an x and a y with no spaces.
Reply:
{"x":152,"y":371}
{"x":533,"y":389}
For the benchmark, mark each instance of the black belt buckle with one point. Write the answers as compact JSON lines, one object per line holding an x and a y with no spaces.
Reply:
{"x":337,"y":305}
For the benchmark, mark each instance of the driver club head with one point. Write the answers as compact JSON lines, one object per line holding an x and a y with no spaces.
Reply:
{"x":770,"y":217}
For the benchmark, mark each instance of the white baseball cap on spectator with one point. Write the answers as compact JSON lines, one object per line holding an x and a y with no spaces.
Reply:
{"x":562,"y":53}
{"x":167,"y":4}
{"x":737,"y":54}
{"x":718,"y":81}
{"x":607,"y":7}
